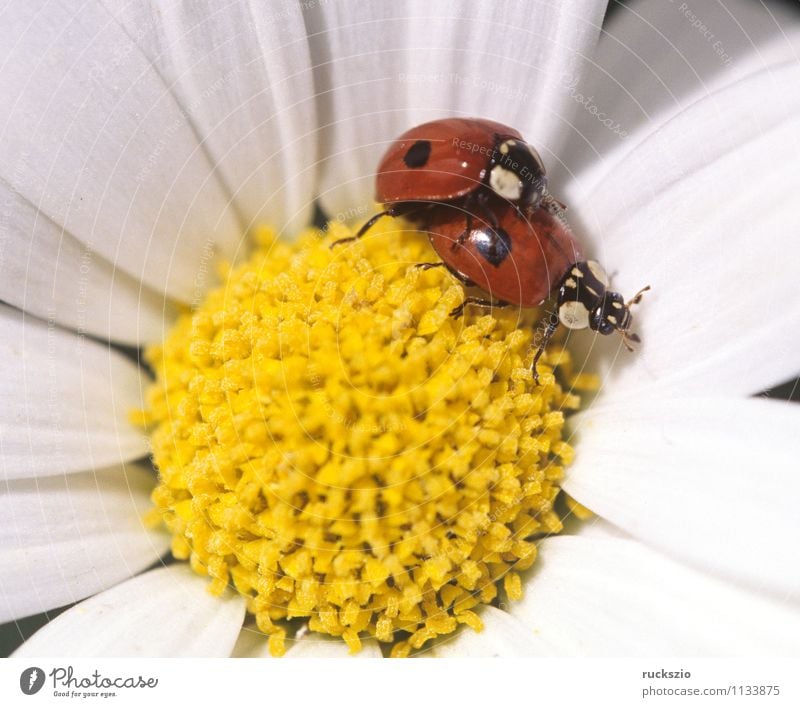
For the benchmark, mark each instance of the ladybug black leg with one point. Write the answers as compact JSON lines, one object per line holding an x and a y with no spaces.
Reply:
{"x":369,"y":224}
{"x":428,"y":266}
{"x":469,"y":203}
{"x":488,"y":213}
{"x":552,"y":325}
{"x":465,"y":233}
{"x":458,"y":311}
{"x":553,"y":205}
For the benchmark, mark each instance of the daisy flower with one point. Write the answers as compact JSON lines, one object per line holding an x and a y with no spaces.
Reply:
{"x":141,"y":141}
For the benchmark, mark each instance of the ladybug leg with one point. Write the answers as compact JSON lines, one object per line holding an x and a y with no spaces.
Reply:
{"x":553,"y":205}
{"x":369,"y":224}
{"x":468,"y":206}
{"x":461,"y":277}
{"x":428,"y":266}
{"x":488,"y":213}
{"x":552,"y":325}
{"x":465,"y":233}
{"x":456,"y":312}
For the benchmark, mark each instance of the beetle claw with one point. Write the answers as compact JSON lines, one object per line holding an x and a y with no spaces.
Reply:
{"x":343,"y":240}
{"x":457,"y":312}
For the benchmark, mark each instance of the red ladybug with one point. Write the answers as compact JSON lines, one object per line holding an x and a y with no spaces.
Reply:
{"x":447,"y":159}
{"x":517,"y":259}
{"x":481,"y":192}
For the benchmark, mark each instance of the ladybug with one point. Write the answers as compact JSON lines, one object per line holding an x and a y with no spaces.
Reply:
{"x":522,"y":260}
{"x":481,"y":193}
{"x":447,"y":159}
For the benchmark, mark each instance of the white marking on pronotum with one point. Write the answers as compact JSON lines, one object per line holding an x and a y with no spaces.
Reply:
{"x":506,"y":146}
{"x":505,"y":183}
{"x":573,"y":315}
{"x":597,"y":270}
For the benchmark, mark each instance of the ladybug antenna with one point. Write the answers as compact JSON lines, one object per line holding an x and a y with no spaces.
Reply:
{"x":637,"y":297}
{"x":628,"y":337}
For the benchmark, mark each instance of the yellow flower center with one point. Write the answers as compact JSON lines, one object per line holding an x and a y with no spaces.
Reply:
{"x":336,"y":447}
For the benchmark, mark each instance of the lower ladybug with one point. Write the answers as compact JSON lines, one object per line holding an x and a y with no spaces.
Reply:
{"x":500,"y":231}
{"x":521,"y":259}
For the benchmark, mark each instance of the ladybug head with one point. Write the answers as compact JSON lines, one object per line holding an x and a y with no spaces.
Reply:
{"x":584,"y":300}
{"x":614,"y":314}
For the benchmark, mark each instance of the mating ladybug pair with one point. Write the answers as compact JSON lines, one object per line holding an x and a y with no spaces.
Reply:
{"x":481,"y":193}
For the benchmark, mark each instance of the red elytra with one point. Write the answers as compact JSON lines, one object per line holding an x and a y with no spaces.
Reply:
{"x":439,"y":161}
{"x":518,"y":259}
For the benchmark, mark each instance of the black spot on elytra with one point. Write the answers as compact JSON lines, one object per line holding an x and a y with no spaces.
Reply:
{"x":418,"y":154}
{"x":492,"y":245}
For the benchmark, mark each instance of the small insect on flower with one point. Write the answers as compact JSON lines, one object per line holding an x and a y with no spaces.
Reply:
{"x":481,"y":193}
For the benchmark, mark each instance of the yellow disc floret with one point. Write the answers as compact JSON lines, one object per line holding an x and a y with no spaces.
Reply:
{"x":335,"y":446}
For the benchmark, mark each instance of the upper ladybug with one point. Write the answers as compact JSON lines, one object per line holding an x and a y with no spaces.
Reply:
{"x":447,"y":159}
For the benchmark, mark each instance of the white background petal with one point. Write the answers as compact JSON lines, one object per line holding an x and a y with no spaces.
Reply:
{"x":254,"y":644}
{"x":503,"y":636}
{"x":712,"y":481}
{"x":93,"y":136}
{"x":251,"y":643}
{"x":383,"y":67}
{"x":705,"y":212}
{"x":316,"y":645}
{"x":242,"y":72}
{"x":598,"y":597}
{"x":163,"y":613}
{"x":64,"y":401}
{"x":594,"y":527}
{"x":45,"y":271}
{"x":65,"y":538}
{"x":656,"y":58}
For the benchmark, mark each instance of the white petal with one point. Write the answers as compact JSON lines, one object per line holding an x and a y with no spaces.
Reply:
{"x":251,"y":643}
{"x":164,"y":613}
{"x":655,"y":59}
{"x":254,"y":644}
{"x":704,"y":211}
{"x":383,"y":67}
{"x":64,"y":401}
{"x":317,"y":645}
{"x":713,"y":482}
{"x":503,"y":636}
{"x":94,"y":139}
{"x":594,"y":527}
{"x":603,"y":597}
{"x":45,"y":271}
{"x":65,"y":538}
{"x":242,"y":72}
